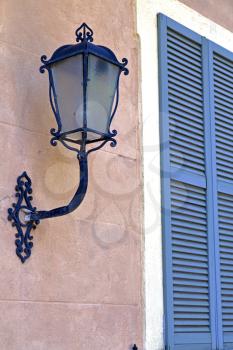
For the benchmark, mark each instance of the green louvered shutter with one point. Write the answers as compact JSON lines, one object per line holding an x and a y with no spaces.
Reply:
{"x":223,"y":109}
{"x":189,"y":194}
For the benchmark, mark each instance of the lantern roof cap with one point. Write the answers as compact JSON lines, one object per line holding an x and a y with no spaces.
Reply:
{"x":73,"y":50}
{"x":84,"y":37}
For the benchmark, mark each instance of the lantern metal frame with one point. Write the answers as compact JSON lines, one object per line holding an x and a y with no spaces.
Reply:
{"x":23,"y":206}
{"x":84,"y":35}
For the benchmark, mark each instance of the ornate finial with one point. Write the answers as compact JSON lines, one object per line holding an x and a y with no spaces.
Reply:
{"x":84,"y":33}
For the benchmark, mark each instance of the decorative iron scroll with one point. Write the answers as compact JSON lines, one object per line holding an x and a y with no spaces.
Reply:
{"x":84,"y":33}
{"x":20,"y":210}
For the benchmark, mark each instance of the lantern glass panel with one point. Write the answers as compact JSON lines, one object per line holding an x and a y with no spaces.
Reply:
{"x":68,"y":83}
{"x":101,"y":90}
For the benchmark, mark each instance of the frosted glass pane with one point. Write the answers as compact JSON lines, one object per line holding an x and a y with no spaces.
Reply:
{"x":101,"y":88}
{"x":68,"y":78}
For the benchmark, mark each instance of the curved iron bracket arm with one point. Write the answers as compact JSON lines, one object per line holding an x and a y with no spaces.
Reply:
{"x":25,"y":217}
{"x":75,"y":201}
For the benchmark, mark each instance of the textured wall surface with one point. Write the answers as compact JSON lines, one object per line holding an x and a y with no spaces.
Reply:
{"x":220,"y":12}
{"x":81,"y":288}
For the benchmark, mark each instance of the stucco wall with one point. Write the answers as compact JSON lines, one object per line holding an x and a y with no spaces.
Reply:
{"x":81,"y":288}
{"x":220,"y":12}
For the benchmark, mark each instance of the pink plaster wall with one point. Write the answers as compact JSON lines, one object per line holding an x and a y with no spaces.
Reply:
{"x":81,"y":288}
{"x":218,"y":11}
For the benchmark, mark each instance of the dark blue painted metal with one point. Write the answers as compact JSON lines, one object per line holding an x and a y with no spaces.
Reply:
{"x":85,"y":78}
{"x":84,"y":33}
{"x":23,"y":205}
{"x":76,"y":200}
{"x":85,"y":37}
{"x":77,"y":49}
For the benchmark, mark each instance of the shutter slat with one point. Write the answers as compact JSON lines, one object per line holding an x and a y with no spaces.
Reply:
{"x":186,"y":256}
{"x":186,"y":153}
{"x":174,"y":118}
{"x":227,"y":129}
{"x":185,"y":66}
{"x":177,"y":90}
{"x":184,"y":73}
{"x":195,"y":60}
{"x":224,"y":83}
{"x":198,"y":310}
{"x":187,"y":283}
{"x":183,"y":211}
{"x":190,"y":109}
{"x":190,"y":90}
{"x":221,"y":74}
{"x":190,"y":84}
{"x":222,"y":103}
{"x":188,"y":147}
{"x":224,"y":117}
{"x":176,"y":124}
{"x":183,"y":39}
{"x":180,"y":46}
{"x":219,"y":61}
{"x":188,"y":217}
{"x":187,"y":132}
{"x":224,"y":94}
{"x":223,"y":155}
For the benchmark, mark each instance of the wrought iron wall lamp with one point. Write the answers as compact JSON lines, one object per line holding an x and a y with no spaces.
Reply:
{"x":84,"y":94}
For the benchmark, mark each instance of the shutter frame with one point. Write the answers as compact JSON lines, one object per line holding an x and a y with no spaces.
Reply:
{"x":165,"y":182}
{"x":212,"y":199}
{"x":224,"y":185}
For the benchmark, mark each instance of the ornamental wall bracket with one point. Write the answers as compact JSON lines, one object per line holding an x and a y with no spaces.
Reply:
{"x":80,"y":76}
{"x":17,"y":214}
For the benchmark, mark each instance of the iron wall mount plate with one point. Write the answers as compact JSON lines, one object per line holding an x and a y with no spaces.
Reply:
{"x":17,"y":213}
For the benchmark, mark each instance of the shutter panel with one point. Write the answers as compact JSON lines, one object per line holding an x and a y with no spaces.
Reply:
{"x":186,"y":132}
{"x":223,"y":108}
{"x":189,"y":207}
{"x":223,"y":102}
{"x":189,"y":259}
